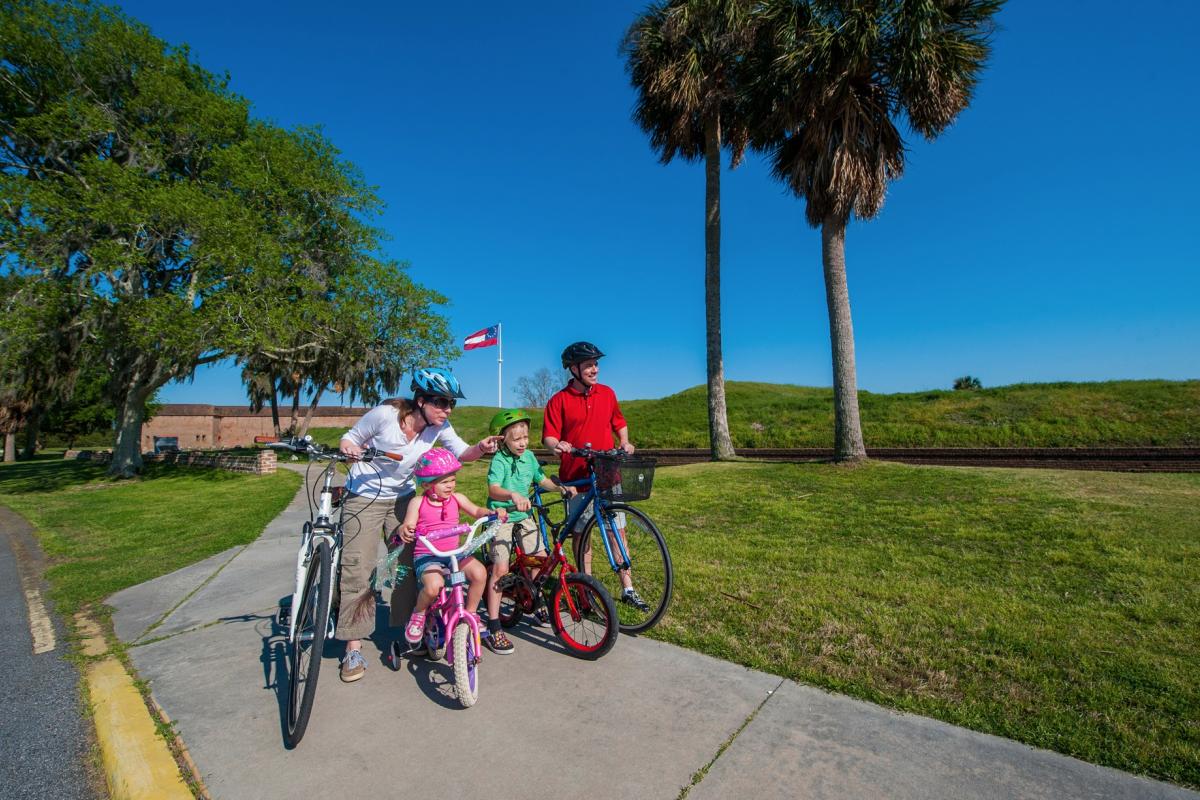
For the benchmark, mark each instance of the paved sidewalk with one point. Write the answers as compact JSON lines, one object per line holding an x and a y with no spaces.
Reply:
{"x":642,"y":722}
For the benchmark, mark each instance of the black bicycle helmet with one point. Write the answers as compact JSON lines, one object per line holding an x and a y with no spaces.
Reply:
{"x":579,"y":351}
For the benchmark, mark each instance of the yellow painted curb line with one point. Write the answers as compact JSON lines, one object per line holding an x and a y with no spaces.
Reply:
{"x":137,"y":762}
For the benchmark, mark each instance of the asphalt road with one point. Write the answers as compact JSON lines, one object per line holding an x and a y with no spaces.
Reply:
{"x":44,"y":739}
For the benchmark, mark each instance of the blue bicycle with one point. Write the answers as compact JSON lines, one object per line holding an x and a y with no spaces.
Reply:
{"x":639,"y":577}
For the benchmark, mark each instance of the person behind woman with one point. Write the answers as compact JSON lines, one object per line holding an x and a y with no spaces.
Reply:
{"x":379,"y":493}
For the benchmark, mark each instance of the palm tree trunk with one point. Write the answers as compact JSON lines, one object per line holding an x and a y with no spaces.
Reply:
{"x":718,"y":421}
{"x":848,"y":439}
{"x":295,"y":411}
{"x":275,"y":406}
{"x":311,"y":408}
{"x":10,"y":447}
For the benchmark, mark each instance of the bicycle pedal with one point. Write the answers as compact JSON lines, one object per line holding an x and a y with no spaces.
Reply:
{"x":402,"y":649}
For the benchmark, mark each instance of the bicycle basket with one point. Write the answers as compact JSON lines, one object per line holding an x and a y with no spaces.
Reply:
{"x":624,"y":478}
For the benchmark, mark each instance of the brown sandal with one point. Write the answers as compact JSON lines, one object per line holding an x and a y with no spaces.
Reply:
{"x":499,"y":643}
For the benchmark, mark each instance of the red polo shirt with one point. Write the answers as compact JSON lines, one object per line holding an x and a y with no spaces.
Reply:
{"x":583,"y":420}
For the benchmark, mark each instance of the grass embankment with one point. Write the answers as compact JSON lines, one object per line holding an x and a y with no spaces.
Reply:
{"x":1114,"y":413}
{"x":1060,"y":609}
{"x":102,"y":536}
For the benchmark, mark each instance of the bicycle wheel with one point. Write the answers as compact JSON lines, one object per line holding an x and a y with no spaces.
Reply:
{"x":466,"y":671}
{"x":435,"y":636}
{"x":304,"y":660}
{"x":650,"y":565}
{"x":583,"y":616}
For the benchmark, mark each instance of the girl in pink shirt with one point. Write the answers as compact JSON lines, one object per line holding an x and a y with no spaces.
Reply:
{"x":434,"y":516}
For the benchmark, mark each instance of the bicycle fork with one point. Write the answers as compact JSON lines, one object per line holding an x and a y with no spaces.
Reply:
{"x":303,"y":559}
{"x":611,"y":533}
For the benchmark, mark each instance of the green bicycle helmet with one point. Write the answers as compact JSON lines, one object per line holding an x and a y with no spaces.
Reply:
{"x":509,"y":416}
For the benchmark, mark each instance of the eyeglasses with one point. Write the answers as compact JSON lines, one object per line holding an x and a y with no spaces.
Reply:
{"x":444,"y":403}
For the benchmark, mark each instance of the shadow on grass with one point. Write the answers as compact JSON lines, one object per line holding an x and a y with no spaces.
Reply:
{"x":25,"y":477}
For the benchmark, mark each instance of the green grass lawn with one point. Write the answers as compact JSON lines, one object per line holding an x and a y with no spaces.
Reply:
{"x":100,"y":536}
{"x":1112,"y":413}
{"x":1057,"y":608}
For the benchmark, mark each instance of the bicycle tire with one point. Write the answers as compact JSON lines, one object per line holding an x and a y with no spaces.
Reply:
{"x":650,"y":566}
{"x":595,"y":631}
{"x":308,"y":646}
{"x":436,"y":640}
{"x":466,"y":672}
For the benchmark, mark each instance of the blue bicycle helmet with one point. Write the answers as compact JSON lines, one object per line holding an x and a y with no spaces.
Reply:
{"x":436,"y":382}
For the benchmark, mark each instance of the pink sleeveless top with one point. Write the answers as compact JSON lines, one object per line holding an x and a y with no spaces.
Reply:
{"x":433,"y":520}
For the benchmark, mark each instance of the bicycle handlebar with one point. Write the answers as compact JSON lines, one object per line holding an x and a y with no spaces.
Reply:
{"x":587,"y":452}
{"x":308,"y":447}
{"x":471,"y":543}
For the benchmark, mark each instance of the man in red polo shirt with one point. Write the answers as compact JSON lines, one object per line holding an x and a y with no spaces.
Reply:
{"x":585,"y":413}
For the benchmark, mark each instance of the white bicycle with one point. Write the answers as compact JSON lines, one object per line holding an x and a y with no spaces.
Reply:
{"x":308,"y":613}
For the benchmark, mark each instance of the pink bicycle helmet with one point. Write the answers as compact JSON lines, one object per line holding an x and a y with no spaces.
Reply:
{"x":436,"y":463}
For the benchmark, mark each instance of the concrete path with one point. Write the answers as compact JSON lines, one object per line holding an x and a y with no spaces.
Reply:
{"x":648,"y":720}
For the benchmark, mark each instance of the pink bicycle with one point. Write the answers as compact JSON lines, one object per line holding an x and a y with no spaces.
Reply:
{"x":448,"y":613}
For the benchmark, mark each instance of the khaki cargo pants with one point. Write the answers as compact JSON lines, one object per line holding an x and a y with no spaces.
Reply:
{"x":367,"y":521}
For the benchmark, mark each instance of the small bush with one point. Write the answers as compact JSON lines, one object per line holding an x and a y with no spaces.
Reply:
{"x":967,"y":383}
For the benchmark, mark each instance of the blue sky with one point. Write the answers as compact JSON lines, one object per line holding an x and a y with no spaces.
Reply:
{"x":1049,"y":235}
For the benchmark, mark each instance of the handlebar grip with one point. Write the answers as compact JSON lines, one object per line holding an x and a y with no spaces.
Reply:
{"x":266,"y":439}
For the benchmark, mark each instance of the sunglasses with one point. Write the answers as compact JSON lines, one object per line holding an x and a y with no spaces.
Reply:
{"x":444,"y":403}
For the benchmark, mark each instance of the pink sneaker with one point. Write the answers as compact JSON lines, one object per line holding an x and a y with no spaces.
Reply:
{"x":415,"y":630}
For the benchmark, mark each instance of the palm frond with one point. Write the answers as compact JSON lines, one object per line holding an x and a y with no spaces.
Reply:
{"x":834,"y":78}
{"x":684,"y":58}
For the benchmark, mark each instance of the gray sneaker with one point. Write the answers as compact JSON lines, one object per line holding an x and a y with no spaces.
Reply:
{"x":634,"y":599}
{"x":354,"y":666}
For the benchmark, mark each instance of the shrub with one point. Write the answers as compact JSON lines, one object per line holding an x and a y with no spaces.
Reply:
{"x":967,"y":383}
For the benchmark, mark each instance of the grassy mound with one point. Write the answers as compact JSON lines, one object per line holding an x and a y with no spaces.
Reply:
{"x":1113,"y":413}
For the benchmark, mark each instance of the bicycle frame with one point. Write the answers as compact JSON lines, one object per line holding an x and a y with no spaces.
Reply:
{"x":322,"y":527}
{"x":593,"y":500}
{"x":455,"y":600}
{"x":537,"y":568}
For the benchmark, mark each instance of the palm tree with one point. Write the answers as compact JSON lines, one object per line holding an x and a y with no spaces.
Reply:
{"x":834,"y":79}
{"x":683,"y":57}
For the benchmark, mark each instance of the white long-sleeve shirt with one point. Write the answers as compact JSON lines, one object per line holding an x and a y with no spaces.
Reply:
{"x":380,"y":428}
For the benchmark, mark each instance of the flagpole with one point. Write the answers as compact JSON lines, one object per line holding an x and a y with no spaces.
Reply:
{"x":499,"y":365}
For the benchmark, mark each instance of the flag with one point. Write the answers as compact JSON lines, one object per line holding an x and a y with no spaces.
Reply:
{"x":484,"y":338}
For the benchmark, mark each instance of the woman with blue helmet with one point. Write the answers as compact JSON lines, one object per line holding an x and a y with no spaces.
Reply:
{"x":379,"y":492}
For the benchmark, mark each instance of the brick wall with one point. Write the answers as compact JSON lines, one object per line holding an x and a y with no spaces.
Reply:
{"x":206,"y":427}
{"x":262,"y":463}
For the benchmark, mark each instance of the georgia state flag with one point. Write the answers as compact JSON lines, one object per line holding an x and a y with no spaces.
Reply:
{"x":484,"y":338}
